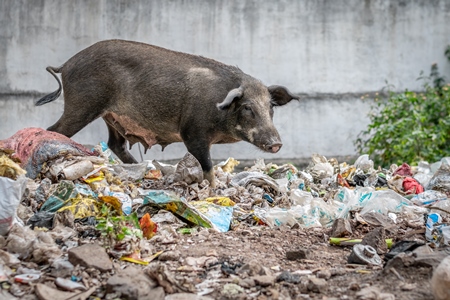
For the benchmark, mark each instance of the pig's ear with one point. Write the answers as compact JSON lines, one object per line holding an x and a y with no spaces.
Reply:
{"x":281,"y":95}
{"x":232,"y":95}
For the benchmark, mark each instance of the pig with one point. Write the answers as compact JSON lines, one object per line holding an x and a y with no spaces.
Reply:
{"x":153,"y":95}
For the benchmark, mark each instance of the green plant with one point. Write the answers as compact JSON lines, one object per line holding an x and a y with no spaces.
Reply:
{"x":409,"y":126}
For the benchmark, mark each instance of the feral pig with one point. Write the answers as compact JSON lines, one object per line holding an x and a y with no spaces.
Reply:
{"x":152,"y":95}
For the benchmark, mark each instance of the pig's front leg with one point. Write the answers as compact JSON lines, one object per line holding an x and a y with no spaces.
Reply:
{"x":200,"y":149}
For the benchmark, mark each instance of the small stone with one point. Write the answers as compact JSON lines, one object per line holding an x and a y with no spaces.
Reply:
{"x":341,"y":227}
{"x":5,"y":295}
{"x":47,"y":293}
{"x":317,"y":285}
{"x":90,"y":256}
{"x":252,"y":268}
{"x":202,"y":261}
{"x":247,"y":283}
{"x":354,"y":286}
{"x":325,"y":274}
{"x":376,"y":239}
{"x":409,"y":287}
{"x":440,"y":282}
{"x":264,"y":280}
{"x":231,"y":291}
{"x":186,"y":296}
{"x":273,"y":293}
{"x":338,"y":271}
{"x":211,"y":252}
{"x":373,"y":292}
{"x":170,"y":256}
{"x":246,"y":232}
{"x":297,"y":254}
{"x":8,"y":259}
{"x":61,"y":268}
{"x":288,"y":277}
{"x":399,"y":261}
{"x":133,"y":283}
{"x":423,"y":258}
{"x":44,"y":248}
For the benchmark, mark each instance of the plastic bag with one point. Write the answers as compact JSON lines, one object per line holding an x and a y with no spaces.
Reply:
{"x":78,"y":169}
{"x":370,"y":200}
{"x":384,"y":202}
{"x":300,"y":197}
{"x":277,"y":216}
{"x":423,"y":174}
{"x":254,"y":178}
{"x":189,"y":170}
{"x":364,"y":163}
{"x":219,"y":215}
{"x":11,"y":192}
{"x":428,"y":197}
{"x":314,"y":213}
{"x":322,"y":168}
{"x":64,"y":191}
{"x":441,"y":180}
{"x":131,"y":172}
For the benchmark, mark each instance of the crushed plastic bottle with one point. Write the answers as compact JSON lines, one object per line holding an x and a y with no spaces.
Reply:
{"x":430,"y":226}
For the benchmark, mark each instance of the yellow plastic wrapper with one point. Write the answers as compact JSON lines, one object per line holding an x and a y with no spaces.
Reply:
{"x":82,"y":207}
{"x":91,"y":179}
{"x":222,"y":201}
{"x":349,"y":172}
{"x":229,"y":165}
{"x":9,"y":168}
{"x":114,"y":201}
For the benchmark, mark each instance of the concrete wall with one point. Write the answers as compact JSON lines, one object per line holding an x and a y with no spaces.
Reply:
{"x":330,"y":52}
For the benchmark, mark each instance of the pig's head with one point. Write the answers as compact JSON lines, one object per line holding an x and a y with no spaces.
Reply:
{"x":250,"y":114}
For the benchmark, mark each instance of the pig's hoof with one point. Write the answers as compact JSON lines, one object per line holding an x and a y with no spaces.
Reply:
{"x":210,"y":177}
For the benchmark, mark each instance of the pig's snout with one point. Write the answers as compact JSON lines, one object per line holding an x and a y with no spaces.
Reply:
{"x":274,"y":148}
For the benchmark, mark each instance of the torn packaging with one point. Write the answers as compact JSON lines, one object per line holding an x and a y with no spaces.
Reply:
{"x":152,"y":95}
{"x":35,"y":147}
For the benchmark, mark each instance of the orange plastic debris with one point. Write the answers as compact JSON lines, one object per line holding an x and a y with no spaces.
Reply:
{"x":148,"y":227}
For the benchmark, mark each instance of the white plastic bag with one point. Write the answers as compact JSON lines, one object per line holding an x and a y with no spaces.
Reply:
{"x":11,"y":192}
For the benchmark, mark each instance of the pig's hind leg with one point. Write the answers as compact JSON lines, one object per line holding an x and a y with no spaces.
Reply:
{"x":73,"y":120}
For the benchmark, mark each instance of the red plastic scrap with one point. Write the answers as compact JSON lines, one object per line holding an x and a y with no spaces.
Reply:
{"x":36,"y":146}
{"x":341,"y":181}
{"x":411,"y":186}
{"x":403,"y":170}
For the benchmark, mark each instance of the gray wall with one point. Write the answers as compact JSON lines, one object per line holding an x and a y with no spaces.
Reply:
{"x":331,"y":52}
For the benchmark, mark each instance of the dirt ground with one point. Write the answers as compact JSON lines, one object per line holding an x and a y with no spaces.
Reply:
{"x":265,"y":248}
{"x":251,"y":262}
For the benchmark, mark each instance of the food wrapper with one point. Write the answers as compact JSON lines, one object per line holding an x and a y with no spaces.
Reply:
{"x":171,"y":202}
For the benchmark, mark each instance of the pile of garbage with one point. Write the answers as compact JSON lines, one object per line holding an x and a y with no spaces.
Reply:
{"x":56,"y":197}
